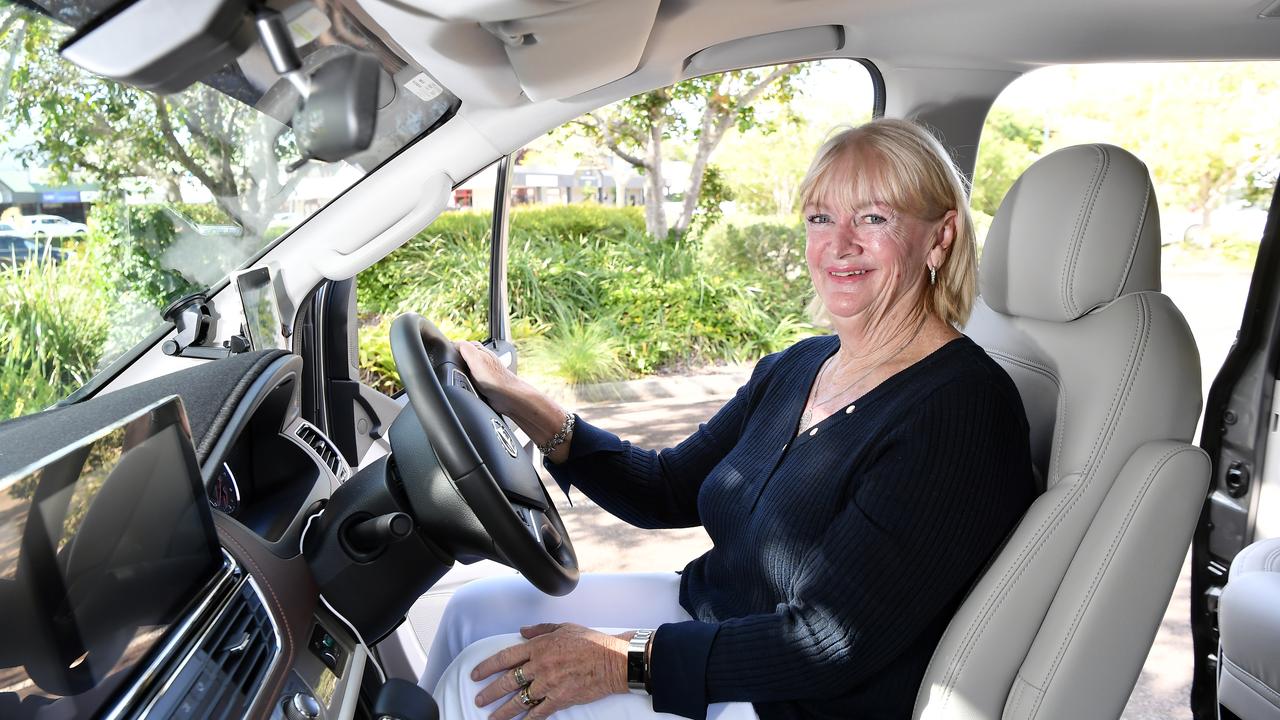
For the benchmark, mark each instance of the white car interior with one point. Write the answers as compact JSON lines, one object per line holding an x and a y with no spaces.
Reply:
{"x":1061,"y":622}
{"x":1248,"y":684}
{"x":1070,"y":306}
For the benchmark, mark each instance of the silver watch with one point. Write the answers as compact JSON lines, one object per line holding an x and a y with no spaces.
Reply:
{"x":638,"y":662}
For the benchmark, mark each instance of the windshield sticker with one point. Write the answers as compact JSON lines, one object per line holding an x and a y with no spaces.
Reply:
{"x":308,"y":26}
{"x":424,"y":87}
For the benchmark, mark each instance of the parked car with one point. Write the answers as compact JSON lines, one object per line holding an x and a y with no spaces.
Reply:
{"x":288,"y":593}
{"x":16,"y":249}
{"x":50,"y":226}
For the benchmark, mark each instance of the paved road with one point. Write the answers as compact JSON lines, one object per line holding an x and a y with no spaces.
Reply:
{"x":1212,"y":303}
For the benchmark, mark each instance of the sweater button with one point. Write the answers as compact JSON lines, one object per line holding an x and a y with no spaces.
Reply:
{"x":813,"y":432}
{"x":848,"y":410}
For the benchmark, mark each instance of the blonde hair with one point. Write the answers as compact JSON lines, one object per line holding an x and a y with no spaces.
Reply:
{"x":911,"y":171}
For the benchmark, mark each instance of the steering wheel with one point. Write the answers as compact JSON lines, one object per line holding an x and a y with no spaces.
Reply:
{"x":481,"y":458}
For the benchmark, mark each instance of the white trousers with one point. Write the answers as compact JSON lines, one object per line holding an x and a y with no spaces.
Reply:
{"x":485,"y":616}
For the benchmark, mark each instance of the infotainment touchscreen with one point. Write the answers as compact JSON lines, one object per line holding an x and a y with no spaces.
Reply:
{"x":103,"y":547}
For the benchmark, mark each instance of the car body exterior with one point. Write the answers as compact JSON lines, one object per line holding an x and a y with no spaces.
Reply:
{"x":50,"y":226}
{"x":16,"y":250}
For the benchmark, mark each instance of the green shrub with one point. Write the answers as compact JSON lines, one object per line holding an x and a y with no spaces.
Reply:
{"x":448,"y":259}
{"x":576,"y":350}
{"x":769,"y":249}
{"x":204,"y":213}
{"x":570,"y":221}
{"x":634,"y":304}
{"x":53,"y":326}
{"x":132,"y":241}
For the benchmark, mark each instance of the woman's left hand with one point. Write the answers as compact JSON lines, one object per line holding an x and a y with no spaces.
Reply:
{"x":563,"y":665}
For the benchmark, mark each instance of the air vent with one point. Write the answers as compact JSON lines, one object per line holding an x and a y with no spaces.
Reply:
{"x":322,"y":447}
{"x":224,"y":673}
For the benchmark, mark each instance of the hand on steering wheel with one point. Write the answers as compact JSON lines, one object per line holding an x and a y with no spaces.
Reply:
{"x":494,"y":381}
{"x":479,"y":454}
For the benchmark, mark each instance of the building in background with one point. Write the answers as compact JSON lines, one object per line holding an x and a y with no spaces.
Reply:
{"x":23,"y":190}
{"x":538,"y":185}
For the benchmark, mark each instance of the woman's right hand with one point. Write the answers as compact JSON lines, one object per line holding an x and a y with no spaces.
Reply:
{"x":499,"y":385}
{"x":539,"y":416}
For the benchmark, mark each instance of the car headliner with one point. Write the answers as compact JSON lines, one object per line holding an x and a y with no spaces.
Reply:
{"x":1010,"y":35}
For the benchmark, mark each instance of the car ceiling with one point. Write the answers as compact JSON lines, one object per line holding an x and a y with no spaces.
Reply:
{"x":581,"y":45}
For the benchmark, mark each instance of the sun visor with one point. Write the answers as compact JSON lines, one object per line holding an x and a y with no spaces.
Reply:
{"x":766,"y":49}
{"x":563,"y":54}
{"x":489,"y":11}
{"x":362,"y":250}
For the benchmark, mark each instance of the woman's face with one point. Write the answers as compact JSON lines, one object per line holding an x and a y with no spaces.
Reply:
{"x":871,"y":255}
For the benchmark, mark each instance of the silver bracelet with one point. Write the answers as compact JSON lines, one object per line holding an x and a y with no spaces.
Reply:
{"x":561,"y":435}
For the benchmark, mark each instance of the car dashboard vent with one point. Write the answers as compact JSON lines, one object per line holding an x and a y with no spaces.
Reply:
{"x":222,"y":677}
{"x":323,"y":449}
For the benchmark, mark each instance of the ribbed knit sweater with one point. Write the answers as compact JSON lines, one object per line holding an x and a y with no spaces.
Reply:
{"x":839,"y":554}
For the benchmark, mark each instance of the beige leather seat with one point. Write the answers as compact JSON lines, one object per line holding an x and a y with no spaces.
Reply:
{"x":1249,"y":643}
{"x":1060,"y":623}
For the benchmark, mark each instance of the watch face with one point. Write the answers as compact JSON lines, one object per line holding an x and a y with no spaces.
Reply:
{"x":637,"y":661}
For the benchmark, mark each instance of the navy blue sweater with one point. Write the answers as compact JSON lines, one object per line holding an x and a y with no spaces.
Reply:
{"x":839,"y":555}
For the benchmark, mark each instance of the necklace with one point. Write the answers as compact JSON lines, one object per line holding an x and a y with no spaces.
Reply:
{"x":813,"y":392}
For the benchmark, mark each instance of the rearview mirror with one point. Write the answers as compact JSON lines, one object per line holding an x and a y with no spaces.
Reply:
{"x":162,"y":45}
{"x":340,"y":113}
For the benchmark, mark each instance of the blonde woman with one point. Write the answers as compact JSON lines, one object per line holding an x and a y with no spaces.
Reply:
{"x":853,"y":489}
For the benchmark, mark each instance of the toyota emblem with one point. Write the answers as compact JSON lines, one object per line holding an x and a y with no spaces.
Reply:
{"x":504,"y":436}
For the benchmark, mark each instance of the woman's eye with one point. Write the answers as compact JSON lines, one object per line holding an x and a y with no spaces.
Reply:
{"x":872,"y":219}
{"x":819,"y":219}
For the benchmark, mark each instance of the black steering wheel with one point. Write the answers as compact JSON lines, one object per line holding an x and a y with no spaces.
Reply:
{"x":481,"y":457}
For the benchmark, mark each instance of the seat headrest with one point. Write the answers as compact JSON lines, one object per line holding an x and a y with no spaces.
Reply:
{"x":1077,"y":230}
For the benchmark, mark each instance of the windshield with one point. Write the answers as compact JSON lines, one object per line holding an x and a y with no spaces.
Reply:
{"x":132,"y":199}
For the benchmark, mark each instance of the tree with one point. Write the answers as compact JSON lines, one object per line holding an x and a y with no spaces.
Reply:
{"x":89,"y":128}
{"x":1205,"y":130}
{"x":1009,"y":145}
{"x":698,"y":111}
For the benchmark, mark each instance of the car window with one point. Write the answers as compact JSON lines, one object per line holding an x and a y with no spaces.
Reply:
{"x":176,"y":190}
{"x":1207,"y":134}
{"x":646,"y":278}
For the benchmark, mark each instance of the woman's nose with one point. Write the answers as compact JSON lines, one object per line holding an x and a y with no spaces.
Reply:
{"x":848,"y":240}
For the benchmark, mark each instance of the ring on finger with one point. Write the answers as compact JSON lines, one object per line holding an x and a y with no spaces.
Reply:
{"x":521,"y":680}
{"x":527,"y":700}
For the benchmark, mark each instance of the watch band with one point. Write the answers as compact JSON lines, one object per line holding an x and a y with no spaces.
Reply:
{"x":638,"y":662}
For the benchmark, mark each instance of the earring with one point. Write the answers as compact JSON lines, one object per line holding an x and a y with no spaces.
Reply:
{"x":933,"y":275}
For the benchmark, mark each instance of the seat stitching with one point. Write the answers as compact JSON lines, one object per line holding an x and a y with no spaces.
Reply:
{"x":1066,"y":278}
{"x":1026,"y":363}
{"x":1059,"y":416}
{"x":1142,"y":333}
{"x":1270,"y":692}
{"x":1271,"y":561}
{"x":1047,"y":527}
{"x":1137,"y":235}
{"x":1074,"y":626}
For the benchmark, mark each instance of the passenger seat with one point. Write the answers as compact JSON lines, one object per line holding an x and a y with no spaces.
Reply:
{"x":1060,"y":623}
{"x":1249,"y":640}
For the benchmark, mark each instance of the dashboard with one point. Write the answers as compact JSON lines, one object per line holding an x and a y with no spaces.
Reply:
{"x":247,"y":633}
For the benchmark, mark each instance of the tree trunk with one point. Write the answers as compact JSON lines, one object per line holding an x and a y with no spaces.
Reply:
{"x":717,"y":118}
{"x":655,"y":218}
{"x":714,"y":118}
{"x":1206,"y":206}
{"x":172,"y":191}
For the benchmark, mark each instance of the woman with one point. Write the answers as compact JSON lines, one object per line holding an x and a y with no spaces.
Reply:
{"x":853,"y":489}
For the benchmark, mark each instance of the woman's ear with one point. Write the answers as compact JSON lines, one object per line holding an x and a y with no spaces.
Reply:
{"x":943,"y":239}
